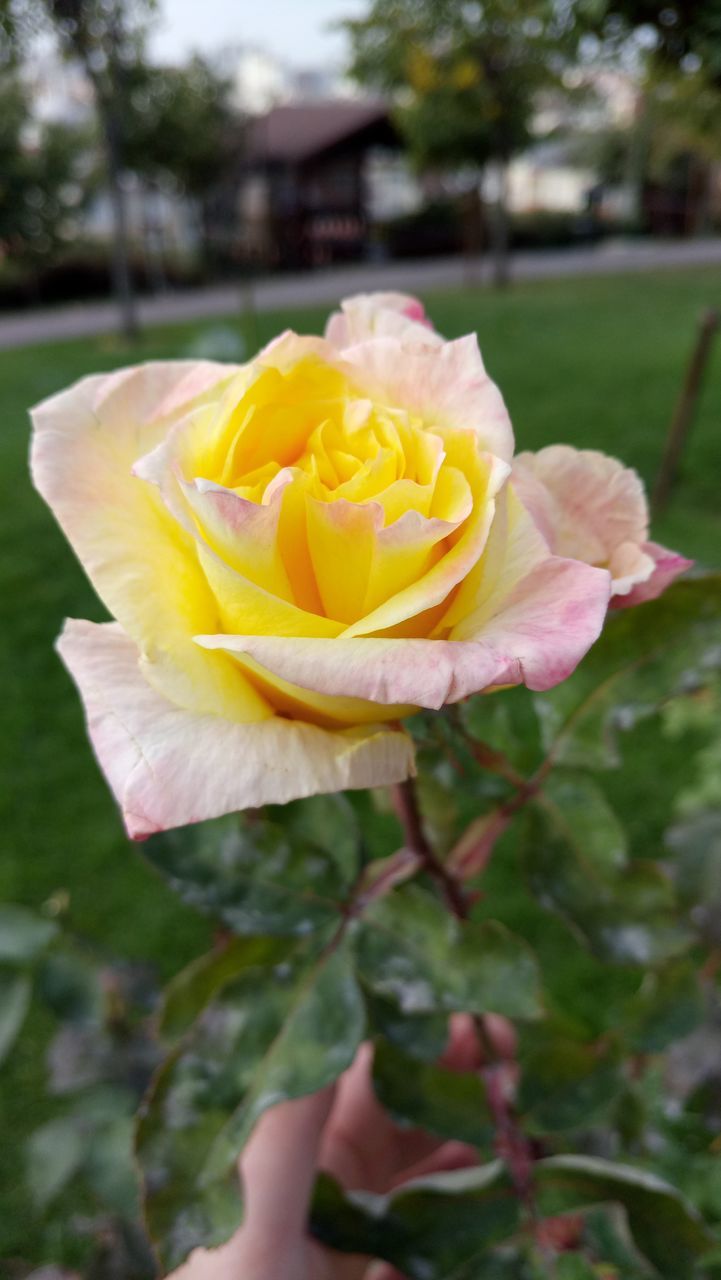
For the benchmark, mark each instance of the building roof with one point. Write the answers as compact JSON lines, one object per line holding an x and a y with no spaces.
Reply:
{"x":297,"y":131}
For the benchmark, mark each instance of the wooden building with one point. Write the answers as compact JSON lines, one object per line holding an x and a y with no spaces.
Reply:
{"x":304,"y":192}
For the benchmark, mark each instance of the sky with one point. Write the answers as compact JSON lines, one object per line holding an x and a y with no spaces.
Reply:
{"x":296,"y":31}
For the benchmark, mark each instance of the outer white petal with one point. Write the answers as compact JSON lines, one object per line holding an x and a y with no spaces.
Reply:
{"x":168,"y":767}
{"x":141,"y":563}
{"x":444,"y":384}
{"x":381,"y":315}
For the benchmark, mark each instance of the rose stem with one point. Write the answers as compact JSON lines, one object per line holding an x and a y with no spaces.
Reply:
{"x":418,"y":843}
{"x":512,"y":1144}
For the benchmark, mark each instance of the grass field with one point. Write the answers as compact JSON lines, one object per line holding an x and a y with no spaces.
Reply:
{"x":591,"y":362}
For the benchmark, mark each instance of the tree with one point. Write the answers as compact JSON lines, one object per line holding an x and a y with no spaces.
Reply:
{"x":181,"y":127}
{"x":684,"y":137}
{"x":676,"y":136}
{"x":683,"y":30}
{"x":106,"y":38}
{"x":43,"y":183}
{"x":465,"y":78}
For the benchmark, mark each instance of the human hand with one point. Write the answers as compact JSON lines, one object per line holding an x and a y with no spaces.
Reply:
{"x":344,"y":1131}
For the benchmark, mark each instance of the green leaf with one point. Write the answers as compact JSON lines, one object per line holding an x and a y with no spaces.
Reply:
{"x":23,"y":934}
{"x":188,"y":994}
{"x":668,"y":1007}
{"x":429,"y":1229}
{"x":572,"y":1266}
{"x":71,"y":987}
{"x":451,"y":1104}
{"x":317,"y":1042}
{"x":268,"y":1037}
{"x":644,"y":656}
{"x":629,"y":916}
{"x":54,"y":1155}
{"x":508,"y":724}
{"x":665,"y":1226}
{"x":412,"y":951}
{"x":109,"y":1167}
{"x":422,"y":1036}
{"x":607,"y":1237}
{"x":15,"y":992}
{"x":328,"y":823}
{"x":565,"y":1085}
{"x":260,"y":876}
{"x":580,"y":806}
{"x":695,"y":845}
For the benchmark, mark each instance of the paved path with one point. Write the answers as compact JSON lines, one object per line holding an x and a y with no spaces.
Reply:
{"x":87,"y":319}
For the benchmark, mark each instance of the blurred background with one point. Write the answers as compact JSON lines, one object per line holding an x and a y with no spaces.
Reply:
{"x":185,"y":180}
{"x":147,"y":147}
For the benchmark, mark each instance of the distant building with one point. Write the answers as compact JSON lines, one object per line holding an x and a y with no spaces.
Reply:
{"x":59,"y":91}
{"x":546,"y":179}
{"x":306,"y":195}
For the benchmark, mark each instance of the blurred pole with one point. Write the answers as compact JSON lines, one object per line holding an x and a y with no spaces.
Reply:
{"x":472,"y":235}
{"x":685,"y":411}
{"x":249,"y":310}
{"x":499,"y":226}
{"x":637,"y":159}
{"x":120,"y":261}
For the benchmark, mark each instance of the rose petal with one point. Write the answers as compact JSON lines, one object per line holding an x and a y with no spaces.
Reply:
{"x":536,"y":635}
{"x":589,"y":506}
{"x":168,"y":767}
{"x":487,"y":475}
{"x":379,"y":315}
{"x":445,"y":385}
{"x":140,"y":562}
{"x":667,"y":565}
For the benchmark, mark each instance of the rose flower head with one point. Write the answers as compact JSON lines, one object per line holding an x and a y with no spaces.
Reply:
{"x":298,"y":552}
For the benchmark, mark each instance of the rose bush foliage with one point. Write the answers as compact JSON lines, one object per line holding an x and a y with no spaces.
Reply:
{"x":301,"y":551}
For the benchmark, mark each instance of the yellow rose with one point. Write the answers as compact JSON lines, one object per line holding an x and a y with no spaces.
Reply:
{"x":298,"y":552}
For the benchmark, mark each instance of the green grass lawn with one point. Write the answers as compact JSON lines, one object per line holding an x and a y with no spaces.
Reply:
{"x":592,"y":362}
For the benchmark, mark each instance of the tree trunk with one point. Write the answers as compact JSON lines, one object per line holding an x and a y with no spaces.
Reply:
{"x":499,"y":229}
{"x":472,"y":233}
{"x":120,"y":263}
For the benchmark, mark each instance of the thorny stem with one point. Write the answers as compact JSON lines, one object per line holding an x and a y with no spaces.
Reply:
{"x":511,"y":1143}
{"x":417,"y":841}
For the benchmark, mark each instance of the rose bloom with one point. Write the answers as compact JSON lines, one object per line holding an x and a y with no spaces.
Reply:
{"x":301,"y":551}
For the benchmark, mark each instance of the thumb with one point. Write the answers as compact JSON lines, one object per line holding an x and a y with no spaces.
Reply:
{"x":278,"y":1165}
{"x":277,"y":1169}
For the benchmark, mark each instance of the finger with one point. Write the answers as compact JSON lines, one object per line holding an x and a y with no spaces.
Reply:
{"x":277,"y":1170}
{"x":279,"y":1163}
{"x":501,"y":1034}
{"x":383,"y":1271}
{"x":446,"y":1156}
{"x":362,"y":1147}
{"x":359,"y":1133}
{"x":463,"y":1050}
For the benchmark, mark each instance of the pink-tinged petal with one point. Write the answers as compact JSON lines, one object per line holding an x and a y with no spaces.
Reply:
{"x":667,"y":565}
{"x":381,"y":315}
{"x":86,"y":441}
{"x":445,"y":385}
{"x":168,"y":767}
{"x":538,"y":636}
{"x":412,"y":673}
{"x":589,"y":506}
{"x":544,"y":610}
{"x":243,"y":533}
{"x":550,"y":620}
